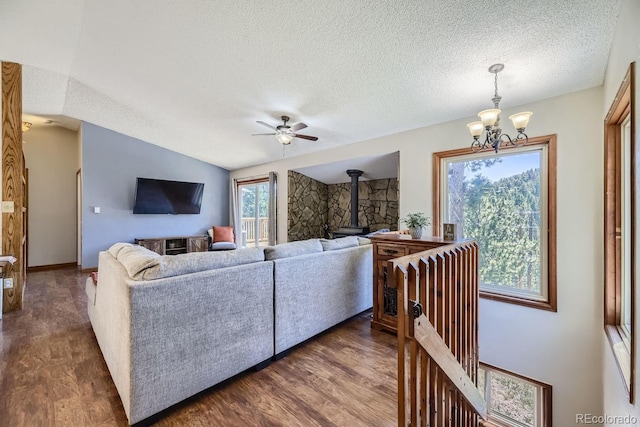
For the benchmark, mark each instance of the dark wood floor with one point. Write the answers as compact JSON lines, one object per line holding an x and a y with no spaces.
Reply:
{"x":52,"y":373}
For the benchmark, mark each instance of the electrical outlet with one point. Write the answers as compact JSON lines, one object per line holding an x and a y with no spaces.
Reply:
{"x":8,"y":283}
{"x":8,"y":206}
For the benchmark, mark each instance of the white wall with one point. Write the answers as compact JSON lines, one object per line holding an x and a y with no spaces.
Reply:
{"x":52,"y":157}
{"x":626,"y":49}
{"x":563,"y":348}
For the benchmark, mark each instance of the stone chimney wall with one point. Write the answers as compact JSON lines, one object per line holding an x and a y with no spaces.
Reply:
{"x":311,"y":204}
{"x":307,"y":207}
{"x":377,"y":204}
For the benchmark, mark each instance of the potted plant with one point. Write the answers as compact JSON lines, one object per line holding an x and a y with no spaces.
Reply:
{"x":416,"y":222}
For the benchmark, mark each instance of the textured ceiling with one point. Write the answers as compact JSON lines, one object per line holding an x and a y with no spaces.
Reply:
{"x":194,"y":76}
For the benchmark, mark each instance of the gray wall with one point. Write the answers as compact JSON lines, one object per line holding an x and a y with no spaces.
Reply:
{"x":111,"y":162}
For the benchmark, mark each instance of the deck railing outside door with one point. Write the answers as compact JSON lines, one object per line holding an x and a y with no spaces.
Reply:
{"x":249,"y":229}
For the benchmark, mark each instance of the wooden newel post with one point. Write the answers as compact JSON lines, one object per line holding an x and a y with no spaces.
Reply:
{"x":13,"y":184}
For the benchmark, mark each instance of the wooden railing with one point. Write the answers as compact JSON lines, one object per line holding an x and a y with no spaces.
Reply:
{"x":249,"y":227}
{"x":438,"y":337}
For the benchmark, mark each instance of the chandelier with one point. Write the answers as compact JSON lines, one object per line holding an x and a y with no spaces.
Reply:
{"x":490,"y":123}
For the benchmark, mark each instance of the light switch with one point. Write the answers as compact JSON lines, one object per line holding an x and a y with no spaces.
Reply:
{"x":8,"y":206}
{"x":96,"y":209}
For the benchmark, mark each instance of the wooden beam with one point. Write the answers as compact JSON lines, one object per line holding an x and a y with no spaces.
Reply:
{"x":440,"y":353}
{"x":12,"y":182}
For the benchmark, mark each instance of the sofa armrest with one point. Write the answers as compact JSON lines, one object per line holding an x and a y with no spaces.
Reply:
{"x":110,"y":317}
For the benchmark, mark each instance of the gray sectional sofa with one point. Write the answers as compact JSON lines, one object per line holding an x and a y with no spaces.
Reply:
{"x":172,"y":326}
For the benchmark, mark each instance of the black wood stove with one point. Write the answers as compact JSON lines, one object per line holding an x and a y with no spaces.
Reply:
{"x":353,"y":229}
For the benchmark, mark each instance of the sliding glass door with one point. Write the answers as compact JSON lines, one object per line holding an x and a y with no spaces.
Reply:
{"x":255,"y":211}
{"x":253,"y":198}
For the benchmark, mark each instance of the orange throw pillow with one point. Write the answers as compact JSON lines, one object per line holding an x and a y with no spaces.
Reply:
{"x":223,"y":234}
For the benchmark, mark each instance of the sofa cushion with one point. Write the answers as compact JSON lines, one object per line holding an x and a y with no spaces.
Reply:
{"x":340,"y":243}
{"x":222,"y":246}
{"x":136,"y":259}
{"x":116,"y":247}
{"x":175,"y":265}
{"x":286,"y":250}
{"x":363,"y":241}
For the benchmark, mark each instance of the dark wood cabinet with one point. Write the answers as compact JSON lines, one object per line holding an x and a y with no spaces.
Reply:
{"x":385,"y":248}
{"x":175,"y":245}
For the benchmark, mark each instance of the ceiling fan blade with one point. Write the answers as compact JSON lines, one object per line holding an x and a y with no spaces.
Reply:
{"x":266,"y":124}
{"x":257,"y":134}
{"x":297,"y":127}
{"x":310,"y":138}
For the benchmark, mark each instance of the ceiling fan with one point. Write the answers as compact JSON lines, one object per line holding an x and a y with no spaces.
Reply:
{"x":285,"y":133}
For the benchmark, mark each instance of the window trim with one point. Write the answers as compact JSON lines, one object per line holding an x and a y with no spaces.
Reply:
{"x":543,"y":390}
{"x":623,"y":106}
{"x":550,"y":141}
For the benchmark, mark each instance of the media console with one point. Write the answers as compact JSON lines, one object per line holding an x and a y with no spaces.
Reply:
{"x":175,"y":245}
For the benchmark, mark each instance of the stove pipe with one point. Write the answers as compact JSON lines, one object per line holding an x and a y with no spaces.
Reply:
{"x":354,"y":174}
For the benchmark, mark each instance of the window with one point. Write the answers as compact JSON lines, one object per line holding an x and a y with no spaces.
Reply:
{"x":254,"y":210}
{"x":514,"y":400}
{"x":505,"y":201}
{"x":619,"y":229}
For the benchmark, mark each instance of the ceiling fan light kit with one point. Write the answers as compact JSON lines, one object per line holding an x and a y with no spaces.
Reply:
{"x":490,"y":122}
{"x":284,"y":138}
{"x":285,"y":133}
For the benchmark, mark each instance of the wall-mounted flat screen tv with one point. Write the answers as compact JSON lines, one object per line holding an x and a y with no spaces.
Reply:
{"x":157,"y":196}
